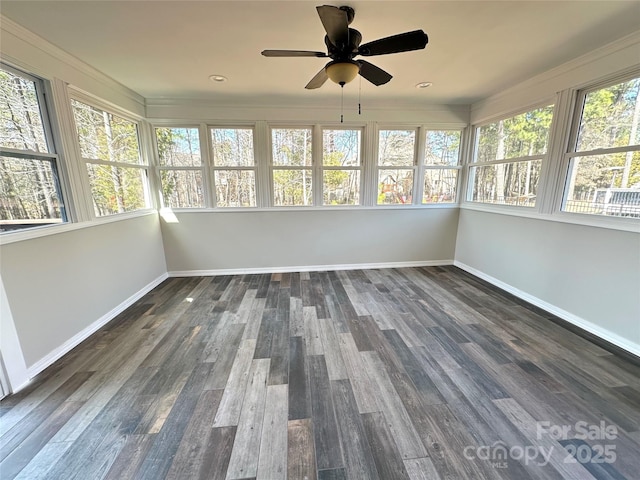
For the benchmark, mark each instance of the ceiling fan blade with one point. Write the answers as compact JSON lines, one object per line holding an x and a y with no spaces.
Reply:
{"x":292,"y":53}
{"x":336,"y":23}
{"x":403,"y":42}
{"x":374,"y":74}
{"x":318,"y":80}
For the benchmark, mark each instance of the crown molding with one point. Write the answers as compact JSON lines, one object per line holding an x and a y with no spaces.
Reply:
{"x":288,"y":104}
{"x":10,"y":27}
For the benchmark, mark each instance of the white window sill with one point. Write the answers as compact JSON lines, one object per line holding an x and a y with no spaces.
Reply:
{"x":599,"y":221}
{"x":44,"y":231}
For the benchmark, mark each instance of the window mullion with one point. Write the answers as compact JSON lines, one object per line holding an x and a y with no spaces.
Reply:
{"x":262,"y":156}
{"x":148,"y":153}
{"x":555,"y":166}
{"x":419,"y":159}
{"x":317,"y":161}
{"x":81,"y":203}
{"x":206,"y":160}
{"x":369,"y":183}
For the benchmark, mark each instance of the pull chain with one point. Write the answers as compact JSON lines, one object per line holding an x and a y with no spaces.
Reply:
{"x":342,"y":103}
{"x":359,"y":95}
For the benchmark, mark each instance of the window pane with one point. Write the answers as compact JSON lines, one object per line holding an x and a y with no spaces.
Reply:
{"x":341,"y":187}
{"x":28,"y":193}
{"x":507,"y":183}
{"x":178,"y":147}
{"x":232,"y":147}
{"x":341,"y":148}
{"x":292,"y":187}
{"x":605,"y":185}
{"x":291,"y":146}
{"x":21,"y":124}
{"x":396,"y":148}
{"x":610,"y":117}
{"x":182,"y":188}
{"x":395,"y":186}
{"x":442,"y":147}
{"x":235,"y":188}
{"x":524,"y":135}
{"x":116,"y":189}
{"x":104,"y":136}
{"x":440,"y":185}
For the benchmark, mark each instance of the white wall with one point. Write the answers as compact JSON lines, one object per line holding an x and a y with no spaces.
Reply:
{"x":59,"y":285}
{"x":587,"y":275}
{"x":287,"y":239}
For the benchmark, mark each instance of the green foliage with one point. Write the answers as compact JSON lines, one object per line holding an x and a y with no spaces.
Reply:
{"x":109,"y":138}
{"x":28,"y":188}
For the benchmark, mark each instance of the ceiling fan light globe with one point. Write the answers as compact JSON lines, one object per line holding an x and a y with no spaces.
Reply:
{"x":342,"y":72}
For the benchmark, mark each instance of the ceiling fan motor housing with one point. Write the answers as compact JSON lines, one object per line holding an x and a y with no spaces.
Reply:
{"x":343,"y":44}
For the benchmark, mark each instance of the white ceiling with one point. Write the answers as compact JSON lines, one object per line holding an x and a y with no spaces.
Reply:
{"x":169,"y":48}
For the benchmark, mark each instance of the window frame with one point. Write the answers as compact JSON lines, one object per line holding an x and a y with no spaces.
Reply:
{"x":423,"y":167}
{"x":359,"y":168}
{"x":144,"y":163}
{"x":472,"y":164}
{"x":418,"y":155}
{"x":213,"y":168}
{"x":158,"y":167}
{"x":570,"y":153}
{"x":316,"y":189}
{"x":52,"y":156}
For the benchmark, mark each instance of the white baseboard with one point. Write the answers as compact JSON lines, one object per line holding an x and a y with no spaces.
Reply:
{"x":596,"y":330}
{"x":306,"y":268}
{"x":44,"y":362}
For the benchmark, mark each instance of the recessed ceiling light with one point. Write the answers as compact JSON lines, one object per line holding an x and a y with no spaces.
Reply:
{"x":423,"y":84}
{"x":217,"y":78}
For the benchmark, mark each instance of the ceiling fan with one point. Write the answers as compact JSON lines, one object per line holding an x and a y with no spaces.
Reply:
{"x":343,"y":44}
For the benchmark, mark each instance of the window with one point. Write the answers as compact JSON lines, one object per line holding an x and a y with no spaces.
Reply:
{"x":441,"y":165}
{"x":396,"y":166}
{"x":508,"y":158}
{"x":110,"y":148}
{"x":604,"y":162}
{"x":30,"y":193}
{"x":234,"y":167}
{"x":291,"y":166}
{"x":341,"y":167}
{"x":181,"y":172}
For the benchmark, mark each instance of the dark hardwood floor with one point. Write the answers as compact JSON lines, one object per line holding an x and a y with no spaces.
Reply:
{"x":416,"y":373}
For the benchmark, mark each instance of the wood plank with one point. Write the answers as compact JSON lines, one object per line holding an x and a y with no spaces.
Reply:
{"x":246,"y":446}
{"x":528,"y":426}
{"x":39,"y":467}
{"x":301,"y":459}
{"x":254,"y":319}
{"x":191,"y":451}
{"x":272,"y":462}
{"x":358,"y":458}
{"x":421,"y":469}
{"x":27,"y":425}
{"x":332,"y":474}
{"x":387,"y":458}
{"x":403,"y":431}
{"x":362,"y":382}
{"x":332,"y":352}
{"x":131,"y":457}
{"x":19,"y":458}
{"x":228,"y":412}
{"x":299,"y":389}
{"x":217,"y":454}
{"x":325,"y":429}
{"x":312,"y":338}
{"x":158,"y":459}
